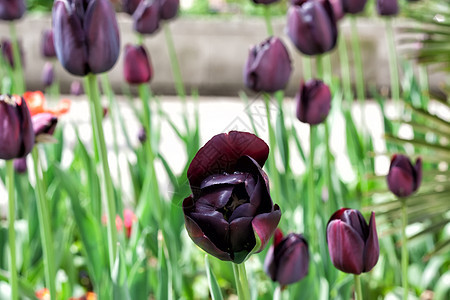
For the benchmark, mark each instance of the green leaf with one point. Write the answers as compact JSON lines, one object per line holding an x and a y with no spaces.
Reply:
{"x":214,"y":288}
{"x":119,"y":277}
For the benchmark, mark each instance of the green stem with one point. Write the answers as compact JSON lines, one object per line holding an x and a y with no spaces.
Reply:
{"x":97,"y":115}
{"x":277,"y":293}
{"x":311,"y":214}
{"x":319,"y":66}
{"x":306,"y":66}
{"x":272,"y":143}
{"x":11,"y":229}
{"x":179,"y":86}
{"x":393,"y":62}
{"x":44,"y":227}
{"x":268,"y":20}
{"x":240,"y":276}
{"x":19,"y":84}
{"x":328,"y":171}
{"x":140,"y":39}
{"x":345,"y":69}
{"x":359,"y":75}
{"x":358,"y":291}
{"x":405,"y":258}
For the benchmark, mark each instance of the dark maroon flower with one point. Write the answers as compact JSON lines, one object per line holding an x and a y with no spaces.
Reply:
{"x":230,"y":206}
{"x":12,"y":9}
{"x":352,"y":244}
{"x":48,"y":45}
{"x":403,"y":178}
{"x":387,"y":7}
{"x":16,"y":129}
{"x":287,"y":260}
{"x":20,"y":165}
{"x":48,"y":74}
{"x":8,"y":54}
{"x":311,"y":26}
{"x":86,"y":35}
{"x":354,"y":6}
{"x":338,"y":9}
{"x":268,"y":66}
{"x":136,"y":65}
{"x":129,"y":6}
{"x":44,"y":123}
{"x":168,"y":9}
{"x":76,"y":88}
{"x":313,"y":102}
{"x":146,"y":17}
{"x":265,"y":2}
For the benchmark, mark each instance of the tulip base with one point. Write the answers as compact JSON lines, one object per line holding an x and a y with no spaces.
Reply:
{"x":240,"y":276}
{"x":11,"y":229}
{"x":358,"y":291}
{"x":405,"y":258}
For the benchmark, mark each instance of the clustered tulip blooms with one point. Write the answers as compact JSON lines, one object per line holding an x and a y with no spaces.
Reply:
{"x":129,"y":6}
{"x":230,"y":206}
{"x":48,"y":45}
{"x":146,"y":17}
{"x":168,"y":9}
{"x":137,"y":67}
{"x":86,"y":35}
{"x":352,"y":243}
{"x":313,"y":102}
{"x":403,"y":178}
{"x":268,"y":66}
{"x":12,"y":9}
{"x":16,"y":128}
{"x":387,"y":7}
{"x":287,"y":260}
{"x":354,"y":6}
{"x":311,"y":26}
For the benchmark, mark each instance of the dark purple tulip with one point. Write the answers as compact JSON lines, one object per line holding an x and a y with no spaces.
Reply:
{"x":403,"y":178}
{"x":311,"y":26}
{"x":230,"y":205}
{"x":387,"y":7}
{"x":136,"y":65}
{"x":76,"y":88}
{"x":44,"y":123}
{"x":168,"y":9}
{"x":48,"y":45}
{"x":338,"y":9}
{"x":12,"y":9}
{"x":352,"y":244}
{"x":16,"y":129}
{"x":268,"y":66}
{"x":146,"y":17}
{"x":129,"y":6}
{"x":8,"y":55}
{"x":265,"y":2}
{"x":354,"y":6}
{"x":86,"y":35}
{"x":48,"y":74}
{"x":20,"y":165}
{"x":313,"y":102}
{"x":142,"y":135}
{"x":287,"y":260}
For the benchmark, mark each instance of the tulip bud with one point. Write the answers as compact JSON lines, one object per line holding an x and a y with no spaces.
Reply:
{"x":230,"y":206}
{"x":338,"y":9}
{"x":146,"y":17}
{"x":403,"y":178}
{"x":129,"y":6}
{"x":311,"y":26}
{"x":136,"y":65}
{"x":48,"y":74}
{"x":44,"y":123}
{"x":142,"y":135}
{"x":48,"y":45}
{"x":387,"y":7}
{"x":8,"y":55}
{"x":352,"y":244}
{"x":20,"y":165}
{"x":354,"y":6}
{"x":86,"y":35}
{"x":268,"y":66}
{"x":16,"y":136}
{"x":313,"y":102}
{"x":168,"y":9}
{"x":12,"y":9}
{"x":287,"y":261}
{"x":76,"y":88}
{"x":128,"y":219}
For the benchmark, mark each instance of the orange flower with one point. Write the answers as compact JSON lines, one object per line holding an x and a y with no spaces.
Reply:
{"x":36,"y":104}
{"x":43,"y":294}
{"x":88,"y":296}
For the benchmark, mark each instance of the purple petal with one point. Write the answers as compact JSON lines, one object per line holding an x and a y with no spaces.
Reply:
{"x":372,"y":248}
{"x":242,"y":237}
{"x":418,"y":173}
{"x":292,"y":259}
{"x":264,"y":225}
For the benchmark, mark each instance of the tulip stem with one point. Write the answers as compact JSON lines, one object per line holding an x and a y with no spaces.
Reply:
{"x":19,"y":85}
{"x":359,"y":75}
{"x":311,"y":214}
{"x":358,"y":291}
{"x":345,"y":69}
{"x":267,"y":18}
{"x":277,"y":293}
{"x":319,"y":66}
{"x":240,"y":276}
{"x":97,"y":115}
{"x":44,"y":227}
{"x":179,"y":86}
{"x":393,"y":64}
{"x":11,"y":229}
{"x":306,"y":66}
{"x":405,"y":258}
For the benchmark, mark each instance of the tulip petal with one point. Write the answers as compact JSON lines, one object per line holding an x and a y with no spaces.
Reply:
{"x":27,"y":133}
{"x":264,"y":225}
{"x":372,"y":248}
{"x":9,"y":131}
{"x":269,"y":264}
{"x":242,"y":237}
{"x":400,"y":182}
{"x":230,"y":179}
{"x":221,"y":153}
{"x":214,"y":200}
{"x":418,"y":174}
{"x":292,"y":260}
{"x":346,"y":247}
{"x":355,"y":219}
